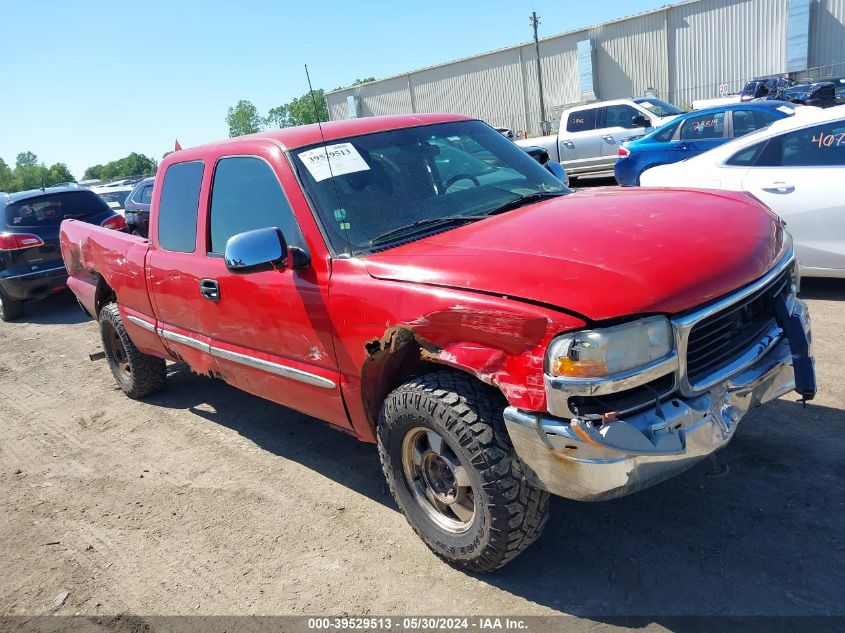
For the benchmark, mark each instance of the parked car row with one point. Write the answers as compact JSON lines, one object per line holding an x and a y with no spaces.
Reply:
{"x":589,"y":136}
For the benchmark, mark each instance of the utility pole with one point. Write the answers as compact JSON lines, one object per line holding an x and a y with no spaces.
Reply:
{"x":535,"y":22}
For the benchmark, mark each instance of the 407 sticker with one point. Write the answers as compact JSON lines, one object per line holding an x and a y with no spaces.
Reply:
{"x":829,"y":140}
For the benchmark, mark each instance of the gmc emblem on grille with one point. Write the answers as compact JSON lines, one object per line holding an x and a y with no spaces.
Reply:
{"x":743,"y":318}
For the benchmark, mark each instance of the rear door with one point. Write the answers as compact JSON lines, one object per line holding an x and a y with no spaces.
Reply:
{"x":800,"y":175}
{"x":42,"y":216}
{"x":697,"y":134}
{"x":579,"y":141}
{"x":175,"y":265}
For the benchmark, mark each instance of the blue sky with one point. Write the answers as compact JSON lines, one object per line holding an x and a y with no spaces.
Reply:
{"x":89,"y":81}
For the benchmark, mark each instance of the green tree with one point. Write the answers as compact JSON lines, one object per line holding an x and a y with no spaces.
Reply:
{"x":357,"y":82}
{"x":132,"y":165}
{"x":7,"y":178}
{"x":244,"y":119}
{"x":300,"y":111}
{"x":58,"y":173}
{"x":278,"y":117}
{"x":94,"y":172}
{"x":26,"y":159}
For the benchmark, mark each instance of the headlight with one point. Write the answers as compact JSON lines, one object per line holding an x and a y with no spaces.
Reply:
{"x":609,"y":351}
{"x":795,"y":278}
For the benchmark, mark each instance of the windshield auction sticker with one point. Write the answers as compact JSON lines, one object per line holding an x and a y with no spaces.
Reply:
{"x":333,"y":160}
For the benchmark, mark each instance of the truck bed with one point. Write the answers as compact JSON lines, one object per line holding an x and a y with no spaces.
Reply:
{"x":92,"y":253}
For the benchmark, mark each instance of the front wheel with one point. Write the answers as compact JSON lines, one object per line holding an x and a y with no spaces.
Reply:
{"x":452,"y":470}
{"x":136,"y":373}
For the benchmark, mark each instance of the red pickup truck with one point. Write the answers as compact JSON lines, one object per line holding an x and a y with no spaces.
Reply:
{"x":421,"y":283}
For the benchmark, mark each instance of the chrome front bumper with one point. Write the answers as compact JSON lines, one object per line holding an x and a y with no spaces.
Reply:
{"x":575,"y":459}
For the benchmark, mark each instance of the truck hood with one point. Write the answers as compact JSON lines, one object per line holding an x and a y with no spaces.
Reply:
{"x":602,"y":253}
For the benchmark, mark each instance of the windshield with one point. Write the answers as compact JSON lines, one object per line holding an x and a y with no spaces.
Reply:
{"x":658,"y":107}
{"x":419,"y":178}
{"x":115,"y":196}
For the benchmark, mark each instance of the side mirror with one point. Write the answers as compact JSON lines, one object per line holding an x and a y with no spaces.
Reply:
{"x":261,"y":249}
{"x":557,"y":170}
{"x":540,"y":154}
{"x":639,"y":120}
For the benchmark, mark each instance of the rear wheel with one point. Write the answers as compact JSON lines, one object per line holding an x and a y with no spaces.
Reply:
{"x":451,"y":468}
{"x":136,"y":373}
{"x":9,"y":308}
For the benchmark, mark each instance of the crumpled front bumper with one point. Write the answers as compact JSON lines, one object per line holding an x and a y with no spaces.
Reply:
{"x":574,"y":459}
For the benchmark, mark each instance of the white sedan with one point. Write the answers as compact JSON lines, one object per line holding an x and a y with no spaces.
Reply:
{"x":796,"y":166}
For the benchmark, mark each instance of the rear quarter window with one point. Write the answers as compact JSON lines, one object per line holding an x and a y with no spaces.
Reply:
{"x":51,"y":209}
{"x":177,"y":212}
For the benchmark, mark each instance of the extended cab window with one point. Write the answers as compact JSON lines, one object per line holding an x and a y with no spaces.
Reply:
{"x":177,"y":212}
{"x":581,"y":121}
{"x":246,"y":195}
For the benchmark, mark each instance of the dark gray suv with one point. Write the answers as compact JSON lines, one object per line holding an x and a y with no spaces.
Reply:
{"x":137,"y":207}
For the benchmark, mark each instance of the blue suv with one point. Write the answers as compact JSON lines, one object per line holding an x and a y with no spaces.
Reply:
{"x":694,"y":133}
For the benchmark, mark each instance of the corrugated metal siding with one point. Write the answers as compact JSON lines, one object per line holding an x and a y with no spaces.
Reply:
{"x":559,"y":62}
{"x":827,"y":36}
{"x":489,"y":87}
{"x":683,"y":51}
{"x":631,"y":56}
{"x":724,"y":41}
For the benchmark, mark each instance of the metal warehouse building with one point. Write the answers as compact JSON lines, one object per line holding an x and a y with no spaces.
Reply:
{"x":690,"y":50}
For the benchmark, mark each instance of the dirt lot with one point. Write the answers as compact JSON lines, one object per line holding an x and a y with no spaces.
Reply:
{"x":205,"y":500}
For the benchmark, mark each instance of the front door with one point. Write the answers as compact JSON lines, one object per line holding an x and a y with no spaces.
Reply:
{"x":270,"y":330}
{"x":618,"y":128}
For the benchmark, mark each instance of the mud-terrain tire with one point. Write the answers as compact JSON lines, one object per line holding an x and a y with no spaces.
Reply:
{"x":507,"y":513}
{"x":136,"y":373}
{"x":9,"y":308}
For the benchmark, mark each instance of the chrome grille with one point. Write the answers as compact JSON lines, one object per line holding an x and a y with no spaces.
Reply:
{"x":720,"y":338}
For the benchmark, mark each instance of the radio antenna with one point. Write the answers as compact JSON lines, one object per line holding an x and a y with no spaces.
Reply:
{"x":340,"y":209}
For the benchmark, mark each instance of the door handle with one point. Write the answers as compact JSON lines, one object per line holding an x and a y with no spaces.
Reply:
{"x":609,"y":138}
{"x":568,"y":143}
{"x":210,"y":289}
{"x":779,"y":187}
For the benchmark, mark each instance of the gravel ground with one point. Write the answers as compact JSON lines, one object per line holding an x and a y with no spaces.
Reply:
{"x":206,"y":500}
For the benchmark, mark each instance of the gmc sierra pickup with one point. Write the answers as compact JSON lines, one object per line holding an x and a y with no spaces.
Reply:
{"x":423,"y":284}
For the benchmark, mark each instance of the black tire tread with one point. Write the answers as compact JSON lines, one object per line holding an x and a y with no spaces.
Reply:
{"x":12,"y":310}
{"x":472,"y":411}
{"x":148,"y":372}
